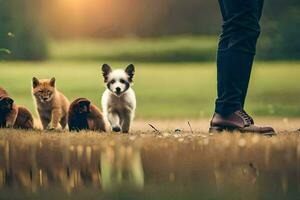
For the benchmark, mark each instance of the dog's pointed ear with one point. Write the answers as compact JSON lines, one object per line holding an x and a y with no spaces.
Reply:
{"x":35,"y":82}
{"x":52,"y":82}
{"x":106,"y":69}
{"x":130,"y":71}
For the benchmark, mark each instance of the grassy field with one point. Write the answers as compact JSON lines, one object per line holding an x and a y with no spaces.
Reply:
{"x":171,"y":91}
{"x":165,"y":49}
{"x":182,"y":48}
{"x":170,"y":81}
{"x":164,"y":90}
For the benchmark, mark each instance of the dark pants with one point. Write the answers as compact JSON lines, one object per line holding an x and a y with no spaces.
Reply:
{"x":236,"y":52}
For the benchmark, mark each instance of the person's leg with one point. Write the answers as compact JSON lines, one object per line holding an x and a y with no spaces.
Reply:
{"x":234,"y":62}
{"x":236,"y":52}
{"x":247,"y":78}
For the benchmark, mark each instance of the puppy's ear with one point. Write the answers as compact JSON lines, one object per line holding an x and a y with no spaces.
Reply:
{"x":52,"y":82}
{"x":35,"y":82}
{"x":106,"y":69}
{"x":130,"y":71}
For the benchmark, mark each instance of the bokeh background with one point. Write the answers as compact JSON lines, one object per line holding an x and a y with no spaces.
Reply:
{"x":171,"y":42}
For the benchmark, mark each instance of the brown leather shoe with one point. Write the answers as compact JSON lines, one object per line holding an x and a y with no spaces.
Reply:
{"x":238,"y":121}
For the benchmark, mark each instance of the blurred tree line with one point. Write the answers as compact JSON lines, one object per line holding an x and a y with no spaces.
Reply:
{"x":280,"y":26}
{"x":21,"y":30}
{"x":30,"y":21}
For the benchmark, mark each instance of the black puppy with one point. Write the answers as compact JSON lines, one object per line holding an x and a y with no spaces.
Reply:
{"x":85,"y":116}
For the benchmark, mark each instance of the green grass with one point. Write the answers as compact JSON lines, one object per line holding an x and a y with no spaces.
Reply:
{"x":181,"y":48}
{"x":165,"y":49}
{"x":164,"y":90}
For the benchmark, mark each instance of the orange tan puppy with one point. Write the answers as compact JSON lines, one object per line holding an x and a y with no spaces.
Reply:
{"x":52,"y":106}
{"x":12,"y":115}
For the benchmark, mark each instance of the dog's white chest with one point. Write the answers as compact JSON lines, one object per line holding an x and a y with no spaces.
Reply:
{"x":127,"y":101}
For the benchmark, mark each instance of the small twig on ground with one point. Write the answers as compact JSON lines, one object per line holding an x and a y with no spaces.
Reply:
{"x":190,"y":127}
{"x":155,"y":129}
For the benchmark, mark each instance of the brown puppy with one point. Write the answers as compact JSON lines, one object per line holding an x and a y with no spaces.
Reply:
{"x":85,"y":116}
{"x":52,"y":106}
{"x":13,"y":116}
{"x":8,"y":110}
{"x":24,"y":119}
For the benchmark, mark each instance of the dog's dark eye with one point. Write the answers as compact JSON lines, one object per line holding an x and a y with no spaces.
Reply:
{"x":122,"y":81}
{"x":112,"y":81}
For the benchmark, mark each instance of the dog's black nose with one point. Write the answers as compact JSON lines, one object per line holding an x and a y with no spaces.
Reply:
{"x":118,"y":89}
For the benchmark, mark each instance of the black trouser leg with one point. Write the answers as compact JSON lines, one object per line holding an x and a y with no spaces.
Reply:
{"x":236,"y":52}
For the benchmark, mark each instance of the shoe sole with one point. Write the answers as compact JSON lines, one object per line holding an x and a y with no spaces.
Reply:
{"x":220,"y":129}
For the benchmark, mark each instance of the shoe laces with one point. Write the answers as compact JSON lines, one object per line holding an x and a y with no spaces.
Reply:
{"x":252,"y":120}
{"x":249,"y":120}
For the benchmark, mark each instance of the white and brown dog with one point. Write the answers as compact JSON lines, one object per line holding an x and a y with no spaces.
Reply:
{"x":118,"y":100}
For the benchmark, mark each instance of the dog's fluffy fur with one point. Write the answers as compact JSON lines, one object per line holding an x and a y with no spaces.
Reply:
{"x":24,"y":119}
{"x":118,"y":100}
{"x":52,"y":106}
{"x":12,"y":115}
{"x":85,"y":116}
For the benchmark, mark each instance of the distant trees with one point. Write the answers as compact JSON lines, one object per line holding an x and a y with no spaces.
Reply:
{"x":281,"y":30}
{"x":24,"y":24}
{"x":150,"y":18}
{"x":21,"y":30}
{"x":142,"y":18}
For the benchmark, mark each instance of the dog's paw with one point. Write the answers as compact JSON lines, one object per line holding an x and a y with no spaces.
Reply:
{"x":9,"y":126}
{"x":116,"y":129}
